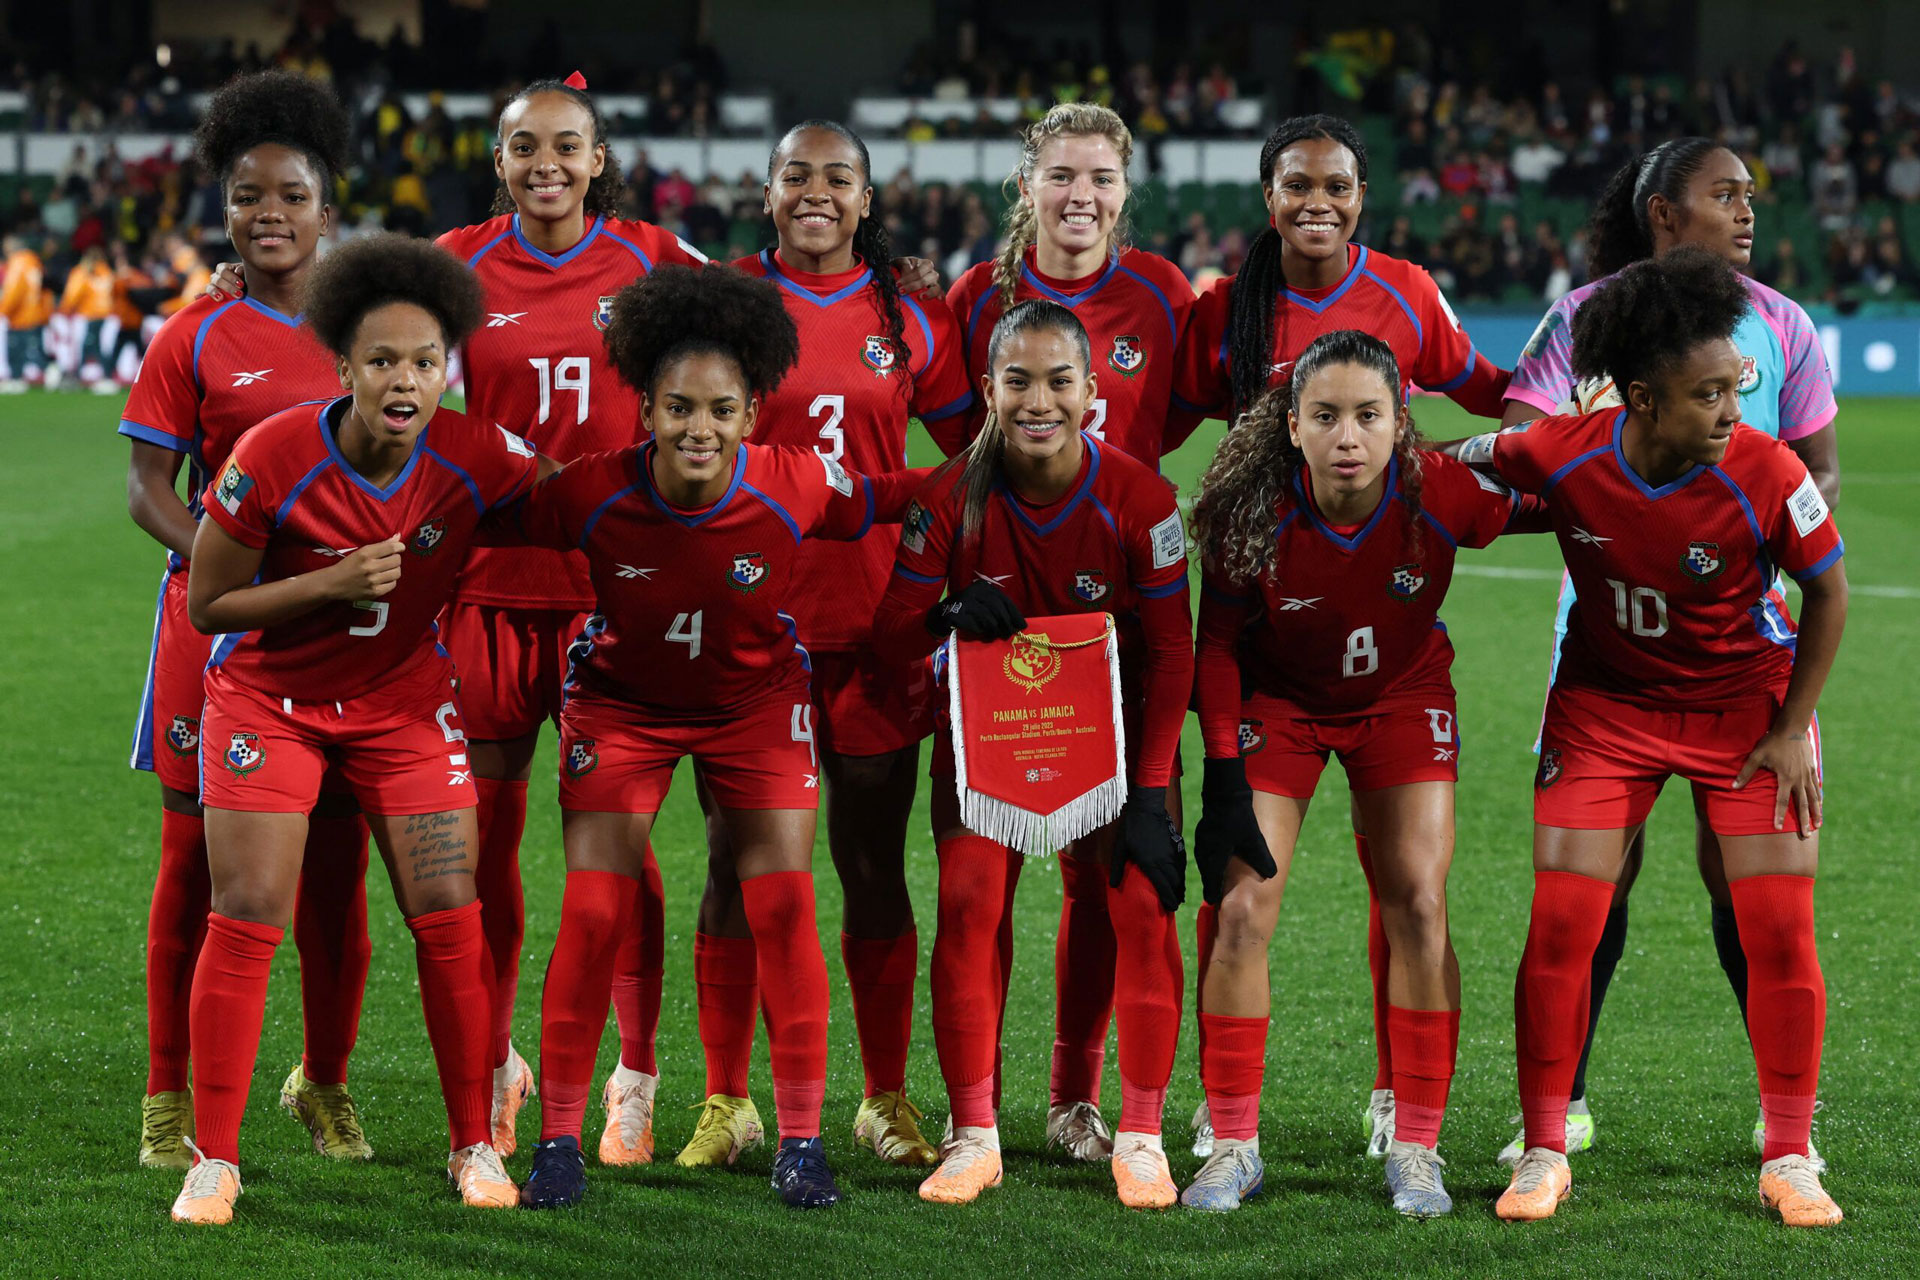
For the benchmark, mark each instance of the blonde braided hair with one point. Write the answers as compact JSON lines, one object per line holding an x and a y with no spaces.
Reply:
{"x":1066,"y":120}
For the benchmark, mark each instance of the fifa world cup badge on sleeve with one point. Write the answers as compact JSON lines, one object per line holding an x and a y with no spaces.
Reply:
{"x":234,"y":486}
{"x":913,"y":530}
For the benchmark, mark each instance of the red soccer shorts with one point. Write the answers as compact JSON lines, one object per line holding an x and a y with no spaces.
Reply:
{"x":400,"y":749}
{"x":1603,"y":761}
{"x":866,"y":707}
{"x":512,"y":665}
{"x":166,"y":738}
{"x":616,"y":758}
{"x":1414,"y":741}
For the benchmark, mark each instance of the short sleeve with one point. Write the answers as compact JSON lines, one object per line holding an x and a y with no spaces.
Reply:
{"x":1201,"y":377}
{"x":1801,"y":535}
{"x":1806,"y":397}
{"x":1471,"y":508}
{"x":926,"y":533}
{"x":1543,"y":377}
{"x":1157,"y":545}
{"x":556,"y":511}
{"x":238,"y":501}
{"x":833,"y":502}
{"x":163,"y":408}
{"x":511,"y":467}
{"x":941,"y":387}
{"x":1447,"y":355}
{"x":1524,"y":455}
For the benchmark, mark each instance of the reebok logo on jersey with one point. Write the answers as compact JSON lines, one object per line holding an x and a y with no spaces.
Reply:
{"x":501,"y":319}
{"x":333,"y":553}
{"x":1444,"y":755}
{"x":245,"y":379}
{"x":1589,"y":539}
{"x":1805,"y":505}
{"x":1294,"y":604}
{"x":629,"y":571}
{"x":998,"y":580}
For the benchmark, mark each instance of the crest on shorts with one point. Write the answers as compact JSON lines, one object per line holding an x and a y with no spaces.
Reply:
{"x":1702,"y":561}
{"x":1550,"y":768}
{"x":1031,"y":661}
{"x":426,"y":539}
{"x":748,"y":568}
{"x":1090,"y":586}
{"x":603,"y":312}
{"x":877,"y":352}
{"x":913,"y":529}
{"x":1749,"y":375}
{"x":244,"y":754}
{"x":1407,"y":581}
{"x":1253,"y":736}
{"x":1127,"y":355}
{"x":183,"y":735}
{"x":582,"y":757}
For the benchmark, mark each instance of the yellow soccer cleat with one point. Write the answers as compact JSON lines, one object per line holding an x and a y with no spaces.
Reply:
{"x":970,"y":1164}
{"x":480,"y":1178}
{"x":628,"y":1137}
{"x":512,"y":1086}
{"x":887,"y":1124}
{"x":165,"y":1119}
{"x":1541,"y":1180}
{"x":1140,"y":1172}
{"x":1792,"y":1185}
{"x":329,"y":1114}
{"x":727,"y":1127}
{"x":207,"y":1198}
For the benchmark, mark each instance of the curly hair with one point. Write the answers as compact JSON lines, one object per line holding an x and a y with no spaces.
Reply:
{"x":1256,"y":286}
{"x":374,"y":270}
{"x":604,"y":192}
{"x":1066,"y":120}
{"x":1254,"y":468}
{"x":675,"y":311}
{"x":279,"y":107}
{"x":1638,"y":324}
{"x":870,"y":239}
{"x":1619,"y":232}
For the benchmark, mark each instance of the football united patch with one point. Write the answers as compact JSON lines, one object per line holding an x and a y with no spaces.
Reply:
{"x":244,"y":754}
{"x":427,"y":538}
{"x":1407,"y":581}
{"x":877,"y":353}
{"x":1702,"y":561}
{"x":1127,"y":355}
{"x":749,"y":567}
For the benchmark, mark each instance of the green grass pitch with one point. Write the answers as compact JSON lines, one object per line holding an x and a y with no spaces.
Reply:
{"x":1668,"y":1189}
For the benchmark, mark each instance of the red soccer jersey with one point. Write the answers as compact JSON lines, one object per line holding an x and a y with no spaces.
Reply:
{"x":1676,"y":603}
{"x":849,"y":399}
{"x":1347,"y":623}
{"x":1114,"y":543}
{"x":538,"y":366}
{"x":287,"y":490}
{"x":694,"y":607}
{"x":217,"y":368}
{"x":1394,"y":301}
{"x":1134,"y":310}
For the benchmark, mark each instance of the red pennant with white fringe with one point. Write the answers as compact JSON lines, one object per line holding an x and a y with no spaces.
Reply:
{"x":1039,"y":750}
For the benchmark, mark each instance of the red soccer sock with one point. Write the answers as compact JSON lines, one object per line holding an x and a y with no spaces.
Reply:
{"x":1550,"y":997}
{"x":596,"y":912}
{"x":793,"y":994}
{"x":977,"y":877}
{"x":1786,"y":1003}
{"x":1148,"y":978}
{"x":880,"y":974}
{"x":176,"y":926}
{"x":1422,"y":1071}
{"x":330,"y":929}
{"x":1377,"y":956}
{"x":229,"y":1004}
{"x":727,"y":984}
{"x":1083,"y":960}
{"x":450,"y":955}
{"x":1233,"y":1063}
{"x":638,"y":973}
{"x":1206,"y":927}
{"x":502,"y":815}
{"x":1003,"y":942}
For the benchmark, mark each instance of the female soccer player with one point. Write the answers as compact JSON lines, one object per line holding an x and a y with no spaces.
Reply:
{"x":1681,"y":659}
{"x":1332,"y":624}
{"x":1041,"y":518}
{"x":217,"y":367}
{"x":1067,"y":241}
{"x":1304,"y":277}
{"x":870,"y":358}
{"x":693,"y":540}
{"x":334,"y":536}
{"x":1690,"y":191}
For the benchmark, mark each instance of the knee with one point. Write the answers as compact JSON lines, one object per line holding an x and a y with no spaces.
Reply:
{"x":1416,"y":913}
{"x":255,"y":904}
{"x":449,"y":895}
{"x":1241,"y":929}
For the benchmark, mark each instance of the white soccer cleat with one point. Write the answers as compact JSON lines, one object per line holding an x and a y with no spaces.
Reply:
{"x":1378,"y":1119}
{"x":1203,"y":1132}
{"x":1579,"y":1133}
{"x":1079,"y":1129}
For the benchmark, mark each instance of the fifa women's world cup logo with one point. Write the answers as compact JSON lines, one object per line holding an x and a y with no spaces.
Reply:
{"x":1031,"y":661}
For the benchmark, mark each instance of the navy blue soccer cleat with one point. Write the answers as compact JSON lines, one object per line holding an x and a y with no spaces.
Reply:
{"x":559,"y":1176}
{"x":801,"y":1176}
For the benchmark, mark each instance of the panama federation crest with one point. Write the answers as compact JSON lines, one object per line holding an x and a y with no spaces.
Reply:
{"x":877,"y":352}
{"x":749,"y":567}
{"x":1253,"y":736}
{"x":1031,"y":661}
{"x":1127,"y":355}
{"x":1090,"y":586}
{"x":183,"y":735}
{"x":244,"y":754}
{"x":603,"y":312}
{"x":426,"y":539}
{"x":1407,"y":581}
{"x":582,"y":758}
{"x":1550,"y":768}
{"x":1702,"y":561}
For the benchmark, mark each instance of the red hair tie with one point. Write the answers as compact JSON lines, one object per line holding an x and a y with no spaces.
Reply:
{"x":576,"y":81}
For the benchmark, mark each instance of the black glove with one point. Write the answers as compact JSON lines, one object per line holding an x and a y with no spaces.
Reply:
{"x":980,"y":609}
{"x":1227,"y":828}
{"x":1149,"y":840}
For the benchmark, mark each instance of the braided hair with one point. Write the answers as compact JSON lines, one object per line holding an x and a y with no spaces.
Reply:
{"x":985,"y":459}
{"x":871,"y":243}
{"x":279,"y":107}
{"x":1621,"y":231}
{"x":1066,"y":120}
{"x":368,"y":272}
{"x":675,"y":311}
{"x":1638,"y":324}
{"x":1261,"y":278}
{"x":604,"y":192}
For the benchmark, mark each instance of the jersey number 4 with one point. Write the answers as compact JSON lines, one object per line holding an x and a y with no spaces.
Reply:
{"x":686,"y":630}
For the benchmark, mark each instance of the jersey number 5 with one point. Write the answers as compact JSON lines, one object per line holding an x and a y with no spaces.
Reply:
{"x":569,"y":373}
{"x":378,"y":608}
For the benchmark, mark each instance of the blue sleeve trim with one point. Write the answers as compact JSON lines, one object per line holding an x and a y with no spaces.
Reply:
{"x":1173,"y":588}
{"x":866,"y":522}
{"x":926,"y":331}
{"x":946,"y":411}
{"x":1454,"y":384}
{"x":1216,"y":594}
{"x":1173,"y":330}
{"x":1820,"y":566}
{"x":1419,"y":333}
{"x":154,"y":435}
{"x":586,"y":529}
{"x":911,"y":576}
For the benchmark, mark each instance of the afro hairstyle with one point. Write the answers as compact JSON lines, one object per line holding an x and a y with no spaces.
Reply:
{"x":372,"y":271}
{"x":1638,"y":324}
{"x":280,"y":107}
{"x":676,"y":311}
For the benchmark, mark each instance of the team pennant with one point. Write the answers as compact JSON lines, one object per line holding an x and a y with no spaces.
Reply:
{"x":1039,"y":750}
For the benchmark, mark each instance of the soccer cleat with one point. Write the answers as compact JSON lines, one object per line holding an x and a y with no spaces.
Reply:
{"x":628,"y":1137}
{"x":1813,"y":1153}
{"x":801,"y":1176}
{"x":1377,"y":1120}
{"x":1541,"y":1180}
{"x":164,"y":1120}
{"x":559,"y":1176}
{"x":512,"y":1086}
{"x":1579,"y":1133}
{"x":1203,"y":1131}
{"x":211,"y":1188}
{"x":1792,"y":1185}
{"x":1413,"y":1176}
{"x":1233,"y":1174}
{"x":969,"y":1164}
{"x":329,"y":1114}
{"x":727,"y":1126}
{"x":1140,"y":1172}
{"x":476,"y":1172}
{"x":1079,"y":1129}
{"x":887,"y":1125}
